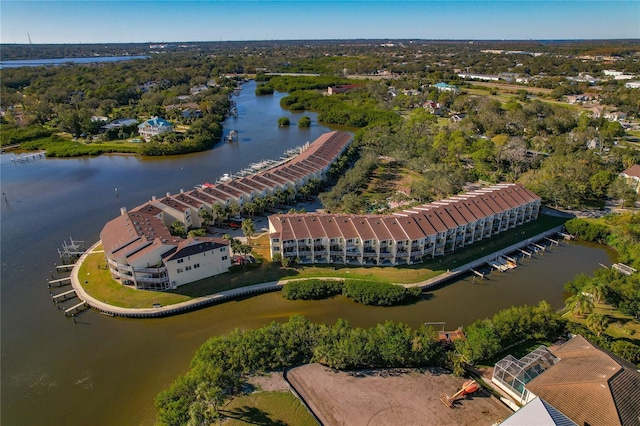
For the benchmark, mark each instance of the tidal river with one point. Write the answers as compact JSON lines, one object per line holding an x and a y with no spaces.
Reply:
{"x":107,"y":371}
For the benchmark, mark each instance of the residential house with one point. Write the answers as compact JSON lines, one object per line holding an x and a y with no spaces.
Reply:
{"x":153,"y":127}
{"x":632,"y":175}
{"x":587,"y":384}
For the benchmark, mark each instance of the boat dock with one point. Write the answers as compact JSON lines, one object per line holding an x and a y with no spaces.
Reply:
{"x":28,"y":157}
{"x":76,"y":308}
{"x":57,"y":298}
{"x":59,"y":282}
{"x":64,"y":267}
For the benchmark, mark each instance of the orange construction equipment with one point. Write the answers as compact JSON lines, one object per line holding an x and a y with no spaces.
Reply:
{"x":468,"y":387}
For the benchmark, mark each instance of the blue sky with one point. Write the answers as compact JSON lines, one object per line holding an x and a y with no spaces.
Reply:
{"x":78,"y":21}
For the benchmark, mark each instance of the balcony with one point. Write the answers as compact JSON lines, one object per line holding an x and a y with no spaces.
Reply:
{"x":289,"y":244}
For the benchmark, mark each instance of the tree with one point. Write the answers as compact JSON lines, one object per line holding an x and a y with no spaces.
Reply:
{"x":283,"y":122}
{"x":580,"y":303}
{"x":206,"y":216}
{"x":177,"y":228}
{"x":248,"y":229}
{"x":304,"y":121}
{"x":218,"y":212}
{"x":597,"y":323}
{"x":197,"y":233}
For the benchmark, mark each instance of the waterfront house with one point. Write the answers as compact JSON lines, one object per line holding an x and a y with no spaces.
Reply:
{"x":587,"y":384}
{"x":153,"y":127}
{"x":405,"y":237}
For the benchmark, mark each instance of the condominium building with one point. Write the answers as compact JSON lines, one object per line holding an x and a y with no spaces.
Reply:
{"x":406,"y":237}
{"x":141,"y":251}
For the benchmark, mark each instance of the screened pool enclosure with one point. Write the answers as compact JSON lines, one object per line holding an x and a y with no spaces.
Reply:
{"x":513,"y":374}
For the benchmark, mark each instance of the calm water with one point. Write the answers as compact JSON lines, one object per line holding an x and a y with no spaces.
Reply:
{"x":62,"y":61}
{"x":106,"y":371}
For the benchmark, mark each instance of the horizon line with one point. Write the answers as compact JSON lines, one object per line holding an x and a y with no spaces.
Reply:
{"x":331,"y":39}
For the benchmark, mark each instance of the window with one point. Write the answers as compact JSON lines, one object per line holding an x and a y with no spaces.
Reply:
{"x":276,"y":249}
{"x":197,"y":265}
{"x":276,"y":240}
{"x":180,"y":260}
{"x":188,"y":268}
{"x":223,"y":249}
{"x":179,"y":270}
{"x":224,"y":257}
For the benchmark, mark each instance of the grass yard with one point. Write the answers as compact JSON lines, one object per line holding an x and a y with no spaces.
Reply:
{"x":96,"y":280}
{"x":267,"y":408}
{"x":620,"y":325}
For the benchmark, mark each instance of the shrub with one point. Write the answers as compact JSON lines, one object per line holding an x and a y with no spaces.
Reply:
{"x":312,"y":289}
{"x":283,"y":121}
{"x":380,"y":294}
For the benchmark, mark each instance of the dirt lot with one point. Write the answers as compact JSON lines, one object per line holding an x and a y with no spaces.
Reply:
{"x":391,"y":397}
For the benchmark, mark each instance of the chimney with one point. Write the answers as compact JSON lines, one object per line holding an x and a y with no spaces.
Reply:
{"x":123,"y":211}
{"x":168,"y":194}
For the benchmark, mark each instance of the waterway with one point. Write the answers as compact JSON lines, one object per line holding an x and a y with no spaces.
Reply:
{"x":107,"y":371}
{"x":64,"y":61}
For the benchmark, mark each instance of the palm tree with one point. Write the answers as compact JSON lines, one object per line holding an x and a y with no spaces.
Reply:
{"x":291,"y":193}
{"x":205,"y":215}
{"x":234,"y":209}
{"x":597,"y":323}
{"x":598,"y":288}
{"x":580,"y":303}
{"x":305,"y":191}
{"x":218,"y":212}
{"x":250,"y":208}
{"x":248,"y":229}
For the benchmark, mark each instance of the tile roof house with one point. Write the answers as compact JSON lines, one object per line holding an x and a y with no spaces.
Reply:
{"x":405,"y":237}
{"x":589,"y":385}
{"x":153,"y":127}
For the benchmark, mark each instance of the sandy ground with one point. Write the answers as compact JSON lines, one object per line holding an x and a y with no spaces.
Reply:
{"x":391,"y":397}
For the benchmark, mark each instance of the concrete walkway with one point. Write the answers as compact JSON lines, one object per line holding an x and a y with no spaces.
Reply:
{"x":222,"y":296}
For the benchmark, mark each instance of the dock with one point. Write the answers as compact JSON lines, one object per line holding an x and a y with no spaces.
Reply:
{"x":76,"y":308}
{"x":526,"y":253}
{"x":57,"y":298}
{"x":480,"y":274}
{"x":625,"y":269}
{"x":65,"y":267}
{"x":551,"y":240}
{"x":59,"y":282}
{"x":28,"y":157}
{"x":565,"y":236}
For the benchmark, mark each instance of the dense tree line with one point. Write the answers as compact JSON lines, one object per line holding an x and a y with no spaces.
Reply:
{"x":622,"y":232}
{"x":487,"y":337}
{"x":365,"y":292}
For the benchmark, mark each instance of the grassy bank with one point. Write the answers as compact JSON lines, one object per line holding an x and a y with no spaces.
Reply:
{"x":267,"y":408}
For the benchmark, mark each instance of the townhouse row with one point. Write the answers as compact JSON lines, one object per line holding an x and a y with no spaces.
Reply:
{"x":141,"y":251}
{"x":406,"y":237}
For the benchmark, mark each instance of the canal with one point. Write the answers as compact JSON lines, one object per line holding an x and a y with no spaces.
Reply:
{"x":107,"y":371}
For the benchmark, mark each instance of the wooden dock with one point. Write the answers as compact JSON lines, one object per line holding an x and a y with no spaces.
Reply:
{"x":59,"y":282}
{"x":526,"y":253}
{"x":65,"y":267}
{"x":565,"y":236}
{"x":76,"y":308}
{"x":57,"y":298}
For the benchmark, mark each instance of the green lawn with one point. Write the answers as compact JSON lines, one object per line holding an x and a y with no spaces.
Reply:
{"x":267,"y":408}
{"x":620,"y":325}
{"x":96,"y":280}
